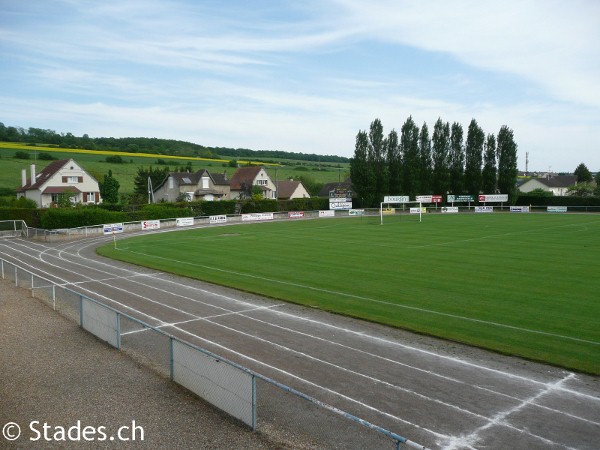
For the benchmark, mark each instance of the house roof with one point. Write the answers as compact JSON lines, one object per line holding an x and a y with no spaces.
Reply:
{"x":46,"y":173}
{"x":244,"y":175}
{"x":559,"y":181}
{"x":60,"y":190}
{"x":192,"y":179}
{"x":286,"y":188}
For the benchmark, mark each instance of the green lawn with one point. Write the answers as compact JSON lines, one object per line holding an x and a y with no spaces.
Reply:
{"x":525,"y":284}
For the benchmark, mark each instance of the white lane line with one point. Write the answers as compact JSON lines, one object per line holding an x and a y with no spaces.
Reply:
{"x":499,"y":419}
{"x":233,"y":313}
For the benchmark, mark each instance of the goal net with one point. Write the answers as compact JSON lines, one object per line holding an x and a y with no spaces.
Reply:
{"x":405,"y":211}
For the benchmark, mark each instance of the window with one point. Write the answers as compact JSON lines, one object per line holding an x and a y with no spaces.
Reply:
{"x":72,"y":180}
{"x":91,"y":197}
{"x":261,"y":182}
{"x":204,"y":182}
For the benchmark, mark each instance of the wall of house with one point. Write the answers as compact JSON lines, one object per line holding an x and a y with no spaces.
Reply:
{"x":532,"y":185}
{"x":263,"y":179}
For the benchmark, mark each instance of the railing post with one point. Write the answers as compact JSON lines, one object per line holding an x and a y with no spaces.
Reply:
{"x":253,"y":403}
{"x":171,"y":374}
{"x":118,"y":327}
{"x":16,"y":276}
{"x":81,"y":311}
{"x":2,"y":264}
{"x":32,"y":286}
{"x":54,"y":297}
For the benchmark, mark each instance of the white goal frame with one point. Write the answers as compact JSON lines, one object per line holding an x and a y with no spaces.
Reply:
{"x":400,"y":203}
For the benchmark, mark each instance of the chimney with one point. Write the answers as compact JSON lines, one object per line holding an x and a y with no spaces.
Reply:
{"x":23,"y":177}
{"x":32,"y":174}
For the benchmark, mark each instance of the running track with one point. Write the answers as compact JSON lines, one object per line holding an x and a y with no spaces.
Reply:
{"x":441,"y":395}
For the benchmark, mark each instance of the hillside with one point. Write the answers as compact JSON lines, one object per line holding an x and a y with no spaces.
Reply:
{"x":167,"y":147}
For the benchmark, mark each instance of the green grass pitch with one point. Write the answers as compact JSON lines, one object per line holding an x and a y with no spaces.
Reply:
{"x":520,"y":284}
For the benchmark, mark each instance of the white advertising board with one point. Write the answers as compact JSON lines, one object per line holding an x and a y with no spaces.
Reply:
{"x":424,"y":198}
{"x":257,"y":216}
{"x":519,"y":209}
{"x":493,"y":198}
{"x":450,"y":209}
{"x":396,"y":199}
{"x":484,"y":209}
{"x":356,"y":212}
{"x":418,"y":210}
{"x":328,"y":213}
{"x":150,"y":224}
{"x":217,"y":219}
{"x":112,"y":228}
{"x":184,"y":221}
{"x":296,"y":214}
{"x":340,"y":205}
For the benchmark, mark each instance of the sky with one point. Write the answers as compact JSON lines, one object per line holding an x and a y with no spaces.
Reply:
{"x":307,"y":76}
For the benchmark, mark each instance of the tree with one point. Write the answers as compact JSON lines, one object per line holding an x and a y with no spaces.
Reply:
{"x":440,"y":145}
{"x":581,"y":190}
{"x":425,"y":160}
{"x":507,"y":162}
{"x":597,"y":191}
{"x":361,"y":172}
{"x":409,"y":146}
{"x":583,"y":174}
{"x":157,"y":176}
{"x":109,"y":188}
{"x":376,"y":154}
{"x":457,"y":159}
{"x":489,"y":173}
{"x":474,"y":158}
{"x":394,"y":161}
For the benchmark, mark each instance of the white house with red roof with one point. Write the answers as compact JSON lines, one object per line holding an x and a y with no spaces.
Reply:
{"x":59,"y":178}
{"x":290,"y":189}
{"x":245,"y":178}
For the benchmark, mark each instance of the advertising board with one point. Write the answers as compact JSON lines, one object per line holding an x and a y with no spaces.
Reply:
{"x":184,"y":221}
{"x":519,"y":209}
{"x":112,"y":228}
{"x":217,"y":219}
{"x":150,"y":224}
{"x":484,"y":209}
{"x":257,"y":216}
{"x":328,"y":213}
{"x":556,"y":209}
{"x":356,"y":212}
{"x":493,"y":198}
{"x":388,"y":211}
{"x":450,"y":209}
{"x":418,"y":210}
{"x":460,"y":198}
{"x":296,"y":214}
{"x":339,"y":205}
{"x":396,"y":199}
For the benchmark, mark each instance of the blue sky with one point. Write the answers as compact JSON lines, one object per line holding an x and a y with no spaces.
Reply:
{"x":306,"y":76}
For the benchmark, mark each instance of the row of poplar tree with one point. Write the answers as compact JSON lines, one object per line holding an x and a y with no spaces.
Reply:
{"x":414,"y":163}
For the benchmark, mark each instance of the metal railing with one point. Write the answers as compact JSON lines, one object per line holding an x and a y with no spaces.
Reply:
{"x":262,"y":403}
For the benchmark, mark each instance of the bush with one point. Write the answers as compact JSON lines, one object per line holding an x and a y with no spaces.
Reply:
{"x":114,"y":159}
{"x":21,"y":155}
{"x":46,"y":157}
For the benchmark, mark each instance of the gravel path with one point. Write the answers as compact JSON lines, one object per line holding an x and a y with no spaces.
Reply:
{"x":53,"y":372}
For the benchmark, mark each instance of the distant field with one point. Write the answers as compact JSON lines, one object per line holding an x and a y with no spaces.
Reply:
{"x":95,"y":163}
{"x":526,"y":284}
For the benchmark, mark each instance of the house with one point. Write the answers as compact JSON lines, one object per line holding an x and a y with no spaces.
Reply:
{"x":289,"y":189}
{"x":245,"y":178}
{"x":59,"y":179}
{"x":558,"y":184}
{"x":201,"y":185}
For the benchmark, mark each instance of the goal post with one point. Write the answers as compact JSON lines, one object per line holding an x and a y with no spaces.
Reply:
{"x":414,"y":208}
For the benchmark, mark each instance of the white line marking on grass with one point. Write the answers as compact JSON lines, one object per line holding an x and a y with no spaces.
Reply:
{"x":499,"y":419}
{"x":358,"y":297}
